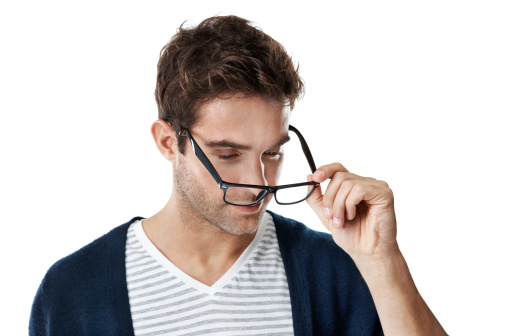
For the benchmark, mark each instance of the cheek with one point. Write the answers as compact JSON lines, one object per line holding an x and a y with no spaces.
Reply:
{"x":197,"y":184}
{"x":204,"y":180}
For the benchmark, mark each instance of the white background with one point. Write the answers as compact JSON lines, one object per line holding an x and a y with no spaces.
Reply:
{"x":414,"y":93}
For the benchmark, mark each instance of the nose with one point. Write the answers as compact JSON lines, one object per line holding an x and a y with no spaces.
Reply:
{"x":254,"y":174}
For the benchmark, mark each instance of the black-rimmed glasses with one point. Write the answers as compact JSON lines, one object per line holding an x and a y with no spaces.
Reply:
{"x":248,"y":194}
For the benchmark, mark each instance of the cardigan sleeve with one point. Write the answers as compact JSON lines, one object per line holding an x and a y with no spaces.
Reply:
{"x":39,"y":321}
{"x":58,"y":306}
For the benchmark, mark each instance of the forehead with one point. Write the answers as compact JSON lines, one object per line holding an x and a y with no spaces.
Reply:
{"x":244,"y":119}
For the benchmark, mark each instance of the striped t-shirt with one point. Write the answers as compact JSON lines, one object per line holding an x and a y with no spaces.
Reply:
{"x":251,"y":298}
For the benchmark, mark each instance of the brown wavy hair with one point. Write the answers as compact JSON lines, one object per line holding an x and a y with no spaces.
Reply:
{"x":223,"y":55}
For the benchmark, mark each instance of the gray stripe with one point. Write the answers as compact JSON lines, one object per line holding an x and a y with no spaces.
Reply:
{"x":130,"y":243}
{"x":204,"y":313}
{"x":266,"y":248}
{"x":249,"y":303}
{"x":263,"y":265}
{"x":278,"y":259}
{"x":212,"y":321}
{"x":157,"y":291}
{"x":138,"y":259}
{"x":259,"y":280}
{"x":223,"y":329}
{"x":129,"y":266}
{"x":131,"y":253}
{"x":145,"y":270}
{"x":179,"y":311}
{"x":134,"y":244}
{"x":208,"y":303}
{"x":256,"y":287}
{"x":153,"y":276}
{"x":135,"y":249}
{"x":275,"y":272}
{"x":172,"y":304}
{"x":275,"y":254}
{"x":162,"y":298}
{"x":252,"y":295}
{"x":152,"y":284}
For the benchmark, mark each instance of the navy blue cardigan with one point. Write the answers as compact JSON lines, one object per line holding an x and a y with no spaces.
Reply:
{"x":85,"y":293}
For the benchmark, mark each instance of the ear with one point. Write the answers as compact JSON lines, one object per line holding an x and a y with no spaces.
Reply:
{"x":165,"y":139}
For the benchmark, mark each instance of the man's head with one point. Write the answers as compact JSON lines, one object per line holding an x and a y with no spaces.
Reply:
{"x":233,"y":87}
{"x":221,"y":57}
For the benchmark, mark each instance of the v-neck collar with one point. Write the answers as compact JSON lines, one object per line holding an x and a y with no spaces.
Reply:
{"x":187,"y":279}
{"x":290,"y":253}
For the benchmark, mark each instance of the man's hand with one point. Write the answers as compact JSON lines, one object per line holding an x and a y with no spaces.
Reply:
{"x":358,"y":211}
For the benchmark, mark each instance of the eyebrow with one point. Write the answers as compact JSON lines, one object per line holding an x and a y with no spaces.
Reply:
{"x":229,"y":144}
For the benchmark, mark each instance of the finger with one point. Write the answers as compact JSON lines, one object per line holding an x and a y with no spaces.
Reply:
{"x":330,"y":194}
{"x":322,"y":204}
{"x":354,"y":198}
{"x":332,"y":189}
{"x":327,"y":171}
{"x":339,"y":207}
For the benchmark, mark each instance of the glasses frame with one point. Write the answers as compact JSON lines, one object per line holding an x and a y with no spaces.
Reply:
{"x":223,"y":185}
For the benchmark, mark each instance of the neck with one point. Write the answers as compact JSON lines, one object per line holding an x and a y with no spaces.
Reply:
{"x":193,"y":244}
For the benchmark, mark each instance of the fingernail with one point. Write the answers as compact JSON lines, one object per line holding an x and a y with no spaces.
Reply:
{"x":336,"y":223}
{"x":319,"y":173}
{"x":327,"y":212}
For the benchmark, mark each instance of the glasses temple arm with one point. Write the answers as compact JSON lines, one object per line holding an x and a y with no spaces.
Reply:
{"x":203,"y":159}
{"x":305,"y":148}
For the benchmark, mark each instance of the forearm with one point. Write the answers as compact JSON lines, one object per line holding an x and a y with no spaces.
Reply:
{"x":401,"y":308}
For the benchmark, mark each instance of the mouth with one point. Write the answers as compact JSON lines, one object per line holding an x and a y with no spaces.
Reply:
{"x":248,"y":208}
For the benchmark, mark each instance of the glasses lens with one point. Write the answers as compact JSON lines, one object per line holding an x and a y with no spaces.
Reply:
{"x":293,"y":195}
{"x":244,"y":196}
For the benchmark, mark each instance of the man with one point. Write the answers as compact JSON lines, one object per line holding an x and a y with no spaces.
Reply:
{"x":213,"y":260}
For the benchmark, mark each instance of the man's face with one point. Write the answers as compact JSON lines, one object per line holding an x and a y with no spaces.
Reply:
{"x":241,"y":138}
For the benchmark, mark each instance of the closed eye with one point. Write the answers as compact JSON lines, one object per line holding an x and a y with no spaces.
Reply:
{"x":228,"y":157}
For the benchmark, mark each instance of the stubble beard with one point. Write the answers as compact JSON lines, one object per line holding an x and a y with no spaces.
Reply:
{"x":195,"y":204}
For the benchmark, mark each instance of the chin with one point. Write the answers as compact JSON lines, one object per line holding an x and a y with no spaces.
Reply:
{"x":242,"y":221}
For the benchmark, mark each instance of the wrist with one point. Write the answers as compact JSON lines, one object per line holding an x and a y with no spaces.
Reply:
{"x":389,"y":270}
{"x":401,"y":308}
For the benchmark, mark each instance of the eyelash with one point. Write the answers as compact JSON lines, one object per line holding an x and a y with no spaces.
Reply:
{"x":231,"y":156}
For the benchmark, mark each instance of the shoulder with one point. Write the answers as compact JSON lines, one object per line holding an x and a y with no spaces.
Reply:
{"x":89,"y":262}
{"x":92,"y":254}
{"x":86,"y":282}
